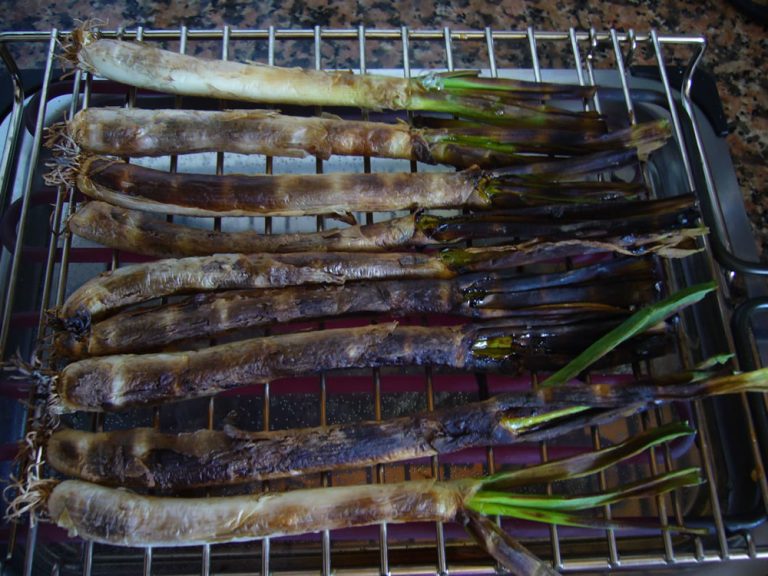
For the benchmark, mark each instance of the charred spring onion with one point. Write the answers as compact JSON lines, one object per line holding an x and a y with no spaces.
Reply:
{"x":460,"y":93}
{"x":121,"y":381}
{"x":145,"y":457}
{"x":140,"y":188}
{"x":144,"y":234}
{"x":110,"y":383}
{"x":603,"y":288}
{"x":138,"y":283}
{"x":123,"y":518}
{"x":132,"y":132}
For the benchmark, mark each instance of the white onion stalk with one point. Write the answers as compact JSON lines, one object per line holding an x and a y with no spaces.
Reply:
{"x":461,"y":93}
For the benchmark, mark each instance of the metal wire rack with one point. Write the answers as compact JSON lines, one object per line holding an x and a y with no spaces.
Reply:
{"x":43,"y":263}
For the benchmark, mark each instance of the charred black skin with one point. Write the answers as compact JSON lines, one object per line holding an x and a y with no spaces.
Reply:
{"x":148,"y":458}
{"x":145,"y":457}
{"x":285,"y":194}
{"x":619,"y":283}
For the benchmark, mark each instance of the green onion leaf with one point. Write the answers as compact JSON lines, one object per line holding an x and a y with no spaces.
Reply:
{"x":589,"y":462}
{"x":652,"y":485}
{"x":635,"y":324}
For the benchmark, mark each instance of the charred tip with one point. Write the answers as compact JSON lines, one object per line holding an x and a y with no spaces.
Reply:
{"x":52,"y":319}
{"x":596,"y":162}
{"x":78,"y":325}
{"x":421,"y":150}
{"x":507,"y":551}
{"x":67,"y":346}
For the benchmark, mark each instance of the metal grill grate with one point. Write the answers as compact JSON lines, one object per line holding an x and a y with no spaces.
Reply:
{"x":602,"y":58}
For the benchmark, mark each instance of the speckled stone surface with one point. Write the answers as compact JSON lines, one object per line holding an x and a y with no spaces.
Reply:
{"x":737,"y":54}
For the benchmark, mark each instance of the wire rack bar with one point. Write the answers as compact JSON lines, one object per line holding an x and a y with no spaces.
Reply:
{"x":27,"y":190}
{"x":347,"y":34}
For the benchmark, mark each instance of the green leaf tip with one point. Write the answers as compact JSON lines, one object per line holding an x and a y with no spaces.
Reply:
{"x":589,"y":462}
{"x":559,"y":509}
{"x":521,"y":424}
{"x":754,"y":381}
{"x":639,"y":322}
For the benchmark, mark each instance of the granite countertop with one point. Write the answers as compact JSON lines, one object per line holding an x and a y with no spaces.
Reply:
{"x":737,"y":53}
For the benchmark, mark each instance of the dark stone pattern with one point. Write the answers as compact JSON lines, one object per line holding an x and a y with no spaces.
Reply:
{"x":737,"y":53}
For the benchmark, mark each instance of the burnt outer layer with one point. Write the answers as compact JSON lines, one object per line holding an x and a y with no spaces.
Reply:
{"x":122,"y":518}
{"x":209,"y":315}
{"x":600,"y":288}
{"x":212,"y":315}
{"x":116,"y":382}
{"x":138,"y":283}
{"x":145,"y":457}
{"x":133,"y":186}
{"x":142,"y":233}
